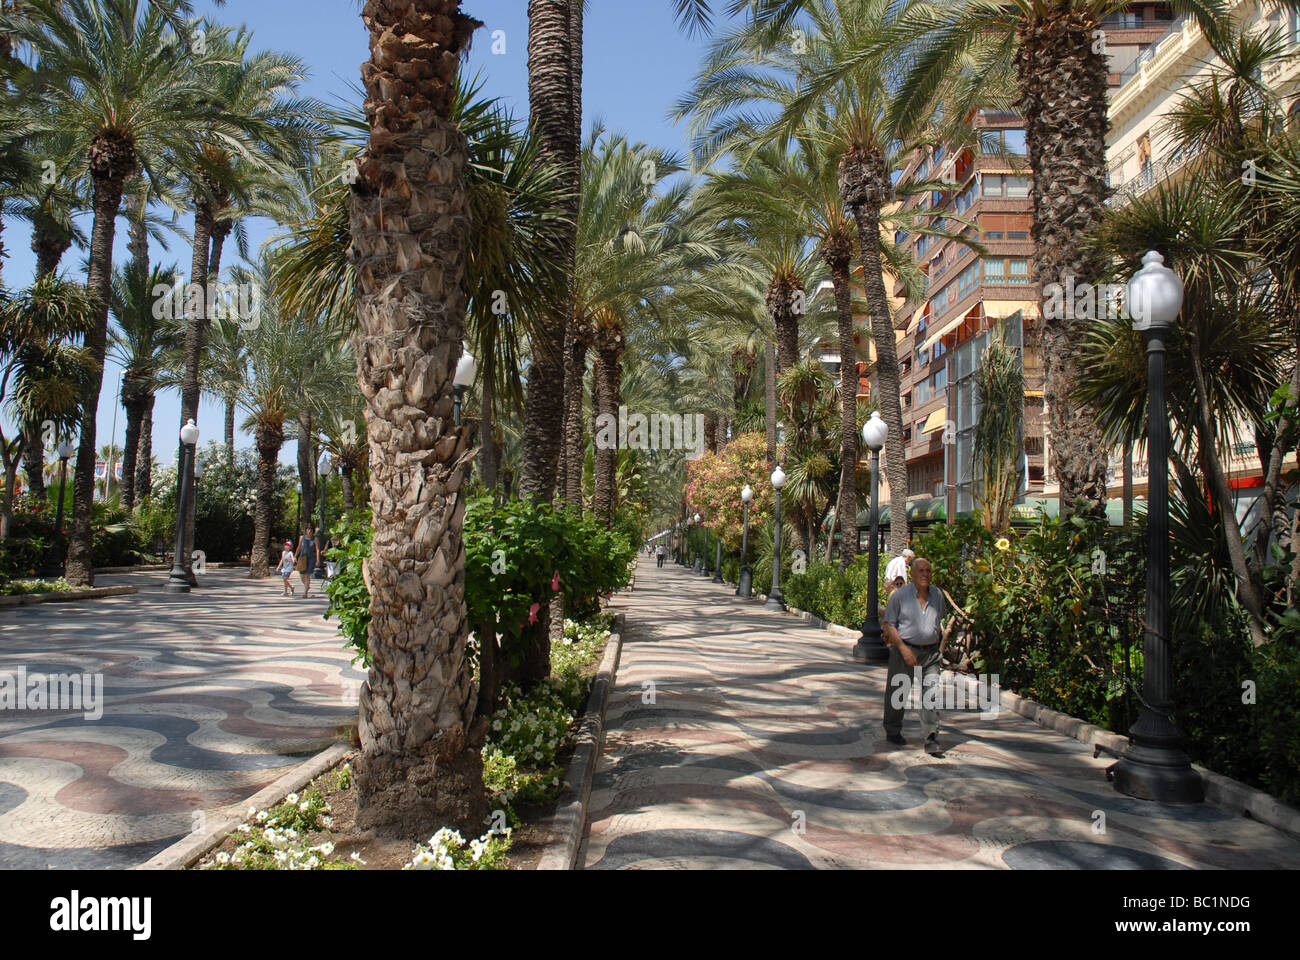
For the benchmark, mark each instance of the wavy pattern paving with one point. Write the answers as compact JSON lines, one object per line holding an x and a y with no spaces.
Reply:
{"x":742,"y":739}
{"x":207,"y":699}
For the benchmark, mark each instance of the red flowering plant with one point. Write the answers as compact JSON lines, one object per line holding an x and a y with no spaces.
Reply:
{"x":714,"y":482}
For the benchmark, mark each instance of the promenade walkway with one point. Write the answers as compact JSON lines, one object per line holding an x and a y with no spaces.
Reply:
{"x":741,"y":738}
{"x":208,"y":697}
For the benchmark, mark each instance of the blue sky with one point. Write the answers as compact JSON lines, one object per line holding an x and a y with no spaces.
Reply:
{"x":637,"y":63}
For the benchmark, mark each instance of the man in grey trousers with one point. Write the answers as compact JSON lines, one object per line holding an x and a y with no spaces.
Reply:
{"x":913,"y":626}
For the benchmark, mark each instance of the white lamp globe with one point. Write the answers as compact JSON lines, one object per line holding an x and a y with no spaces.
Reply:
{"x":874,"y":432}
{"x":325,"y":465}
{"x":189,"y":433}
{"x":778,"y":478}
{"x":747,"y":494}
{"x":697,"y":518}
{"x":1155,"y":294}
{"x":466,"y":370}
{"x":66,"y":449}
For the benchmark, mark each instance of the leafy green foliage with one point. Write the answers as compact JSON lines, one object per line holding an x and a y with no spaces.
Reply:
{"x":349,"y":596}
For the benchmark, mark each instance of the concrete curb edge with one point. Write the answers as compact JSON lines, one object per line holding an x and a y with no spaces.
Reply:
{"x":185,"y":853}
{"x":570,"y":816}
{"x":65,"y":596}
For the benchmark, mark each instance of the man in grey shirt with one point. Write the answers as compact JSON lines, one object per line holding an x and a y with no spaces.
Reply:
{"x":912,"y":627}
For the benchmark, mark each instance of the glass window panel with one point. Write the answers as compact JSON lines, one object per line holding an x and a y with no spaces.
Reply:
{"x":1014,"y":141}
{"x":1017,"y":186}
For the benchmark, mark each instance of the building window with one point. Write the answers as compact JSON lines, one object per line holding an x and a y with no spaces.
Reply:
{"x":995,"y":271}
{"x":922,"y":392}
{"x":1018,"y":271}
{"x":994,"y":235}
{"x":939,"y":349}
{"x":1001,"y":185}
{"x":1018,"y":235}
{"x":940,"y":380}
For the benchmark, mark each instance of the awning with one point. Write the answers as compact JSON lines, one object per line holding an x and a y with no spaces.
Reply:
{"x":935,"y":421}
{"x":943,"y":331}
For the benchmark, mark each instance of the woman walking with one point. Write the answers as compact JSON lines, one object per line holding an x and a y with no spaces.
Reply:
{"x":285,"y":567}
{"x":307,"y":557}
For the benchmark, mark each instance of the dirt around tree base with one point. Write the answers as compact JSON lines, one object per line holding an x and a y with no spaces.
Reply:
{"x":419,"y":796}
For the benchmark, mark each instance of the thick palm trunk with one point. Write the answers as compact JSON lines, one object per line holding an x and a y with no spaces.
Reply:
{"x":269,"y":441}
{"x":230,"y":432}
{"x":555,"y":111}
{"x":846,"y":507}
{"x":864,"y":186}
{"x":49,"y":242}
{"x":195,"y":329}
{"x":133,"y":402}
{"x":780,"y":305}
{"x":1064,"y":104}
{"x":220,"y":230}
{"x":307,"y":467}
{"x":410,"y":225}
{"x":489,"y":457}
{"x":349,"y":497}
{"x":575,"y":377}
{"x":144,"y":457}
{"x":34,"y":462}
{"x":110,"y":163}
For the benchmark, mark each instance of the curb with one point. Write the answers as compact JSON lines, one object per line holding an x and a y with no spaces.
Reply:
{"x":65,"y":596}
{"x":570,"y":816}
{"x":185,"y":853}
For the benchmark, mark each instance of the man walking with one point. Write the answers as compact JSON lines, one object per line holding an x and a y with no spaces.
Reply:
{"x":912,"y":628}
{"x":661,"y":552}
{"x":896,"y":571}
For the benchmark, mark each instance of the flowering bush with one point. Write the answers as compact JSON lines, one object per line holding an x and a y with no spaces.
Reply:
{"x":278,"y":839}
{"x":714,"y":482}
{"x":448,"y":850}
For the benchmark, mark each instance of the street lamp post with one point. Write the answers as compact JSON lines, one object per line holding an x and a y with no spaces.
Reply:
{"x":774,"y":599}
{"x":1155,"y":766}
{"x":54,"y":566}
{"x":717,"y":558}
{"x":324,"y":468}
{"x":698,"y":566}
{"x":745,"y":584}
{"x":466,"y":370}
{"x":297,"y":511}
{"x":870,"y":647}
{"x":178,"y":580}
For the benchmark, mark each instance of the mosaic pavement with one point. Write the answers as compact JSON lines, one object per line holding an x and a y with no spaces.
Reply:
{"x":207,"y":698}
{"x":763,"y":748}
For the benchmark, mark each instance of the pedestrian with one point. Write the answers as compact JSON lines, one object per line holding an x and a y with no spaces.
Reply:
{"x":896,"y":570}
{"x":913,"y":626}
{"x":307,"y":557}
{"x":661,"y":552}
{"x":285,"y":568}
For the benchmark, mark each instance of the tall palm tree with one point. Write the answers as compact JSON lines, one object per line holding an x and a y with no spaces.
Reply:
{"x":417,"y":705}
{"x":141,"y":343}
{"x":122,"y":80}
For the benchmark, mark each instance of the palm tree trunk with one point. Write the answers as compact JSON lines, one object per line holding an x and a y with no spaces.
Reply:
{"x":410,"y":223}
{"x":555,"y":111}
{"x":220,"y":230}
{"x":34,"y":462}
{"x":1063,"y":99}
{"x":269,"y":442}
{"x":349,"y":496}
{"x":780,"y":305}
{"x":111,"y":161}
{"x":575,"y":376}
{"x":864,"y":184}
{"x":134,"y":405}
{"x":230,"y":432}
{"x":195,"y":328}
{"x":144,"y":458}
{"x":608,"y":375}
{"x":1276,"y":517}
{"x":489,"y":458}
{"x":1127,"y":494}
{"x":769,"y":399}
{"x":49,"y":242}
{"x":306,"y":467}
{"x":846,"y":508}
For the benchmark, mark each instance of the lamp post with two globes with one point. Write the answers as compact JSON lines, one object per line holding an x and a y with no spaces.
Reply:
{"x":54,"y":568}
{"x":870,"y":646}
{"x":774,"y":599}
{"x":745,"y":584}
{"x":1155,"y":766}
{"x":698,"y":566}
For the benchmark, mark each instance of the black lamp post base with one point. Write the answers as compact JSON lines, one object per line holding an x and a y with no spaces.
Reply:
{"x":776,"y":603}
{"x":745,"y":588}
{"x":176,"y":586}
{"x":870,"y":647}
{"x":717,"y":576}
{"x":698,"y":566}
{"x":1157,"y":773}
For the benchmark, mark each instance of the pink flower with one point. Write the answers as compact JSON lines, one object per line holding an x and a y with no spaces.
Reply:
{"x":555,"y":581}
{"x":532,"y":612}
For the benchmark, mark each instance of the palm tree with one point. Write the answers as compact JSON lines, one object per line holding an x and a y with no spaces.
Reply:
{"x":140,"y":342}
{"x":120,"y":78}
{"x":41,"y":375}
{"x":227,"y":360}
{"x":417,"y":705}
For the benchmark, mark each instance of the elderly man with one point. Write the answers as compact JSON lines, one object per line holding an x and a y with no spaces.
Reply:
{"x":912,"y":628}
{"x":896,"y":571}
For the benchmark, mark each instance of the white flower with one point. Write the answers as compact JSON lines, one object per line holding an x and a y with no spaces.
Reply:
{"x":261,"y":816}
{"x":304,"y":806}
{"x":292,"y":798}
{"x":223,"y":857}
{"x":355,"y":856}
{"x":423,"y":860}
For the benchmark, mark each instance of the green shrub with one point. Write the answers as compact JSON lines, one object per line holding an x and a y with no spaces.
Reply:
{"x":347,"y":591}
